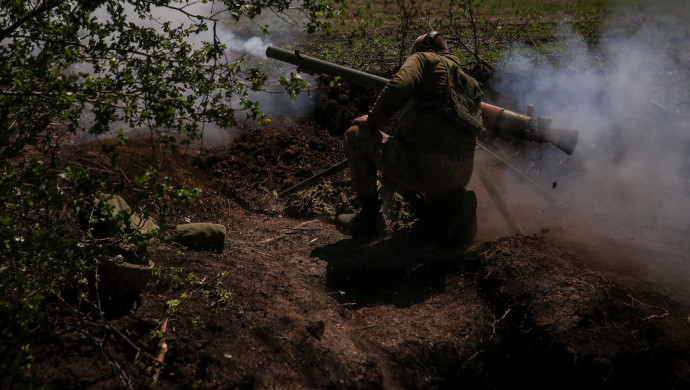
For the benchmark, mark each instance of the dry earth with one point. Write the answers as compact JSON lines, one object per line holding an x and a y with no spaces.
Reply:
{"x":310,"y":307}
{"x":294,"y":303}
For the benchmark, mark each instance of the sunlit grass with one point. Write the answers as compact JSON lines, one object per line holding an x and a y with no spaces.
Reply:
{"x":368,"y":34}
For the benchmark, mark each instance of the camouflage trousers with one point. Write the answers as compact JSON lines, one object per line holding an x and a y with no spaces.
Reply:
{"x":435,"y":174}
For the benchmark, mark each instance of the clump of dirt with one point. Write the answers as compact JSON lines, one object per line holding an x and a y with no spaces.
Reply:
{"x":277,"y":154}
{"x":264,"y":161}
{"x":338,"y":106}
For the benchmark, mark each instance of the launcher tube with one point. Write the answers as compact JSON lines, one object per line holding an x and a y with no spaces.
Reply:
{"x":494,"y":118}
{"x":490,"y":113}
{"x":320,"y":66}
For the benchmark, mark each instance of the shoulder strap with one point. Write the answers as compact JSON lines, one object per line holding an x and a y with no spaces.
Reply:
{"x":443,"y":61}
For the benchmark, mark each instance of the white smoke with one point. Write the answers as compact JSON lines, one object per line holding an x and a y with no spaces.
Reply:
{"x":629,"y":98}
{"x":252,"y":50}
{"x":254,"y":46}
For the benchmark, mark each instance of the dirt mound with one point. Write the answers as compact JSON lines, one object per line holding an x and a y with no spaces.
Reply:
{"x":564,"y":316}
{"x":295,"y":303}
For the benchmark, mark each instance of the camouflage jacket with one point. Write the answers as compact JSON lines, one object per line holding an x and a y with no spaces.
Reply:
{"x":417,"y":91}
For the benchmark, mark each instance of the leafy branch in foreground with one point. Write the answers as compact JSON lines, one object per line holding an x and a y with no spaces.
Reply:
{"x":82,"y":66}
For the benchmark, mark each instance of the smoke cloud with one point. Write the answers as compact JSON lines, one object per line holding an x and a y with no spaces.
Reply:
{"x":273,"y":102}
{"x":629,"y":97}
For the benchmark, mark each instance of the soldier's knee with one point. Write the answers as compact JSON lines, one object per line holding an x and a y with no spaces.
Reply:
{"x":353,"y":137}
{"x":351,"y":133}
{"x":359,"y":139}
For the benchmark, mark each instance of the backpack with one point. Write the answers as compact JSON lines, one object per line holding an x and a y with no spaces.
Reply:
{"x":464,"y":103}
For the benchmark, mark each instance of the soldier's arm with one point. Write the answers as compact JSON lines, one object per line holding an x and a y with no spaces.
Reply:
{"x":398,"y":90}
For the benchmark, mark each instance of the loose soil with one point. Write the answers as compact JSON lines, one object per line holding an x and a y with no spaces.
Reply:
{"x":295,"y":303}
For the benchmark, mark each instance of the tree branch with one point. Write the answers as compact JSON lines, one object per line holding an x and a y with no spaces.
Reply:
{"x":38,"y":10}
{"x":155,"y":56}
{"x":474,"y":53}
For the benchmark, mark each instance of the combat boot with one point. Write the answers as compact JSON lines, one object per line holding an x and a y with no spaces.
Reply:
{"x":368,"y":221}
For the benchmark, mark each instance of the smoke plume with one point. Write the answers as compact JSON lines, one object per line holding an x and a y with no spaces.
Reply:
{"x":628,"y":179}
{"x":273,"y":103}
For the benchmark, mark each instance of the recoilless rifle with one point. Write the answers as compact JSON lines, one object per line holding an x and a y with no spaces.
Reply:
{"x":494,"y":118}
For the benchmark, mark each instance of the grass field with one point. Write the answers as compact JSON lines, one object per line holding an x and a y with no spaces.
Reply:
{"x":371,"y":35}
{"x":376,"y":36}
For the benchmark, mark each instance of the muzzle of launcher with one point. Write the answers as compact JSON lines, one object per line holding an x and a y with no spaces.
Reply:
{"x":528,"y":128}
{"x":494,"y":118}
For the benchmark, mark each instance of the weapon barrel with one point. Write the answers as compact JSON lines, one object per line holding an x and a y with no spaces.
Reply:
{"x":320,"y":66}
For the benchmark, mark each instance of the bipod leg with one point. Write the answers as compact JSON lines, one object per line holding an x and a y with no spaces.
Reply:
{"x":521,"y":176}
{"x":498,"y":201}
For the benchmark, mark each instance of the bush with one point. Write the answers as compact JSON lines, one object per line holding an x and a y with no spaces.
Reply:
{"x":64,"y":61}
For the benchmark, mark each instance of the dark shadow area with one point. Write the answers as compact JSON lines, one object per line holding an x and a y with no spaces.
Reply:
{"x":397,"y":271}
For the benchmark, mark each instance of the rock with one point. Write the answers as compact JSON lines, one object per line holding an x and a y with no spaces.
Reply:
{"x":201,"y":236}
{"x":105,"y":228}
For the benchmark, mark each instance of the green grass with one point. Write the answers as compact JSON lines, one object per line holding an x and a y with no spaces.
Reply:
{"x":367,"y":36}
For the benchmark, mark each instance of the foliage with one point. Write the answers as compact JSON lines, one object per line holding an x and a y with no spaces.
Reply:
{"x":477,"y":30}
{"x":82,"y":66}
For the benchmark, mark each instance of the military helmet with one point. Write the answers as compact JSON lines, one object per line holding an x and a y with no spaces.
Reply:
{"x":427,"y":43}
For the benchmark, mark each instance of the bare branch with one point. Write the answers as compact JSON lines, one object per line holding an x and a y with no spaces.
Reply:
{"x":472,"y":52}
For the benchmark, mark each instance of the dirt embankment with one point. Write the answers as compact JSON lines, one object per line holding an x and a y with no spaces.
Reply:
{"x":294,"y":303}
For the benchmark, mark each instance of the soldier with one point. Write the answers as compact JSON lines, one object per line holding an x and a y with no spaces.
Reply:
{"x":432,"y":147}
